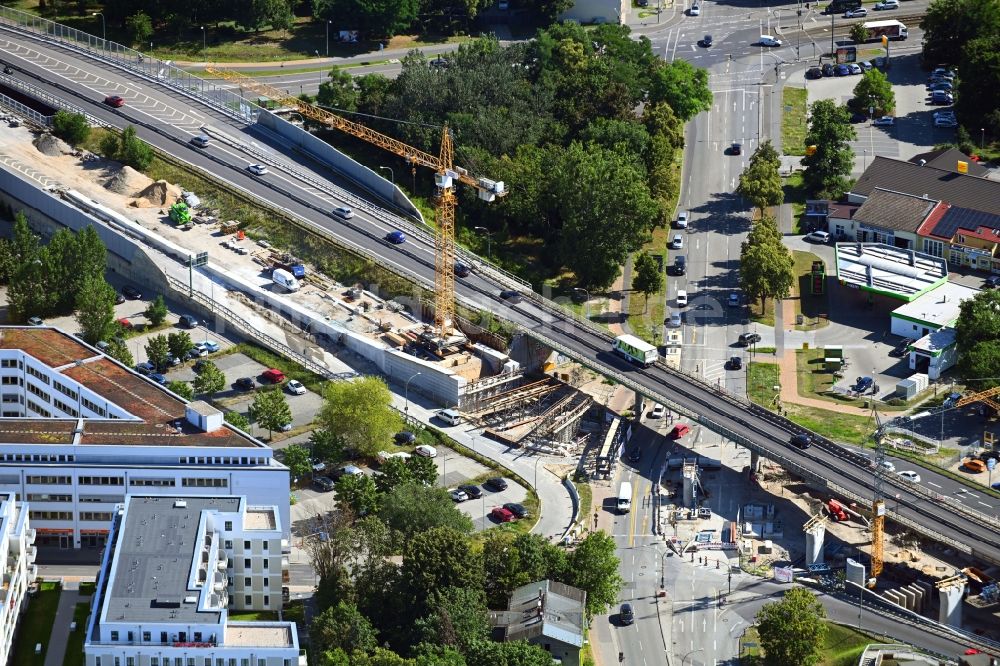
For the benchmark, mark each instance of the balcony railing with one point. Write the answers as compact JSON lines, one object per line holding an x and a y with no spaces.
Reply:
{"x":32,"y":554}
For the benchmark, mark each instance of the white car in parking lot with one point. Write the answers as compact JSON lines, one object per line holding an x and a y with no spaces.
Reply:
{"x":945,"y":121}
{"x":818,"y":236}
{"x":295,"y":387}
{"x":426,"y":451}
{"x":884,"y":121}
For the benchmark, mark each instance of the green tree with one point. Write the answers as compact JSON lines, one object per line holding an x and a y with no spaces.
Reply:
{"x":648,"y":278}
{"x":394,"y":472}
{"x":342,"y":626}
{"x":210,"y":380}
{"x":977,"y":336}
{"x":766,"y":265}
{"x":760,"y":183}
{"x":437,"y":559}
{"x":511,"y":560}
{"x":326,"y":446}
{"x":949,"y":26}
{"x":270,"y":410}
{"x":978,"y":101}
{"x":128,"y":149}
{"x":683,"y":86}
{"x":72,"y":128}
{"x":296,"y":459}
{"x":601,"y":201}
{"x":180,"y":344}
{"x":25,"y":243}
{"x":256,"y":14}
{"x":593,"y":567}
{"x":831,"y":161}
{"x":237,"y":420}
{"x":422,"y":470}
{"x":27,"y":294}
{"x":183,"y":389}
{"x":118,"y":350}
{"x":508,"y":653}
{"x":158,"y":352}
{"x":156,"y":311}
{"x":436,"y":510}
{"x":339,"y":91}
{"x":7,"y":264}
{"x":360,"y":414}
{"x":874,"y":90}
{"x":378,"y":18}
{"x":95,"y":309}
{"x":792,"y":630}
{"x":357,"y":492}
{"x":458,"y":618}
{"x":89,"y":256}
{"x":139,"y":27}
{"x":859,"y":33}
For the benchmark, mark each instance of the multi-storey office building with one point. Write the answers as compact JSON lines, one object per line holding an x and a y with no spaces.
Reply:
{"x":80,"y":431}
{"x":19,"y":570}
{"x":173,"y":568}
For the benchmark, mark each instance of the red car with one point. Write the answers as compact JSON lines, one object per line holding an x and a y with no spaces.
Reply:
{"x":273,"y":375}
{"x":114,"y":100}
{"x":502,"y":515}
{"x":679,"y":431}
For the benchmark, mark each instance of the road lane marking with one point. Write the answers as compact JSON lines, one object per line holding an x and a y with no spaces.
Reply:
{"x":931,"y":483}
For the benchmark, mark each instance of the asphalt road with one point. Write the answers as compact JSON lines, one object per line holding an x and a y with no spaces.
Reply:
{"x":152,"y":107}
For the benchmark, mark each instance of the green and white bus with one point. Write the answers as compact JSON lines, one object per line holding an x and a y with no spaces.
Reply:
{"x":635,"y":350}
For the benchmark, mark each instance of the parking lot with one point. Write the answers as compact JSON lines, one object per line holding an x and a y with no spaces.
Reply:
{"x":914,"y":130}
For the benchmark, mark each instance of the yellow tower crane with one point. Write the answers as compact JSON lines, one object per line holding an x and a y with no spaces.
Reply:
{"x":445,"y":174}
{"x":985,"y":397}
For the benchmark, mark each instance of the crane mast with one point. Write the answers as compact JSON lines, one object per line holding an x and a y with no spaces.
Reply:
{"x":445,"y":175}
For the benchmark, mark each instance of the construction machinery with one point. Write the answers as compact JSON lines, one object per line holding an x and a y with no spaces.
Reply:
{"x":180,"y":214}
{"x":985,"y":397}
{"x":446,"y":173}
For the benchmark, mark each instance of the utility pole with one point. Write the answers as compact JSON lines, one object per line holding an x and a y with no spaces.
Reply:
{"x":833,"y":52}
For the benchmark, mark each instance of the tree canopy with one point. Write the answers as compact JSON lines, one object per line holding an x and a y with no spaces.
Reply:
{"x":760,"y":182}
{"x":831,"y":161}
{"x":874,"y":91}
{"x":977,"y":335}
{"x":792,"y":630}
{"x":766,"y":265}
{"x":360,"y":414}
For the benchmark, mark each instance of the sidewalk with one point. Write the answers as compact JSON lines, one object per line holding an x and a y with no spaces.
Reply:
{"x":384,"y":54}
{"x":788,"y":376}
{"x":69,"y":597}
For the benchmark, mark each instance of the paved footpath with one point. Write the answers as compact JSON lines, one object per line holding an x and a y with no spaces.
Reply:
{"x":69,"y":597}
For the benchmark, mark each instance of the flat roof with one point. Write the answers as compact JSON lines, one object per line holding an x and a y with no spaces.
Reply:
{"x":258,"y":634}
{"x":155,"y":549}
{"x":884,"y":269}
{"x":259,"y":518}
{"x":161,"y":415}
{"x":935,"y":342}
{"x":937,"y":308}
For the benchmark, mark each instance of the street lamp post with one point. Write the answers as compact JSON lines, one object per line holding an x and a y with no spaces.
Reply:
{"x":982,"y":138}
{"x":489,"y":240}
{"x":204,"y":43}
{"x":104,"y":26}
{"x":691,"y":653}
{"x":391,"y":174}
{"x":406,"y":393}
{"x":328,"y":38}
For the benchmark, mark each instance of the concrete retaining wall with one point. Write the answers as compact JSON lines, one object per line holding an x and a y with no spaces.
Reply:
{"x":338,"y":161}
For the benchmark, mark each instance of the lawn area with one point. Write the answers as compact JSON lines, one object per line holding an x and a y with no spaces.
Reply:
{"x":842,"y":646}
{"x":74,"y":644}
{"x":36,"y":625}
{"x":795,"y":194}
{"x":87,"y":588}
{"x":765,"y":316}
{"x":793,"y":121}
{"x":813,"y":307}
{"x":763,"y":377}
{"x":840,"y":427}
{"x":254,"y":616}
{"x":586,"y":500}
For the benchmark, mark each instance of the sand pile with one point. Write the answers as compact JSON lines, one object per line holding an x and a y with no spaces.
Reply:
{"x":52,"y":146}
{"x":128,"y":181}
{"x":160,"y":193}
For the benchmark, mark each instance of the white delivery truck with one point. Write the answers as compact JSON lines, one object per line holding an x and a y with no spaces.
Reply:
{"x":625,"y":497}
{"x":283,"y":278}
{"x":892,"y":29}
{"x":635,"y":350}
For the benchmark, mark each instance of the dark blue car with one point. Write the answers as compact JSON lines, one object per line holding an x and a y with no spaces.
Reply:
{"x":842,"y":70}
{"x":395,"y":237}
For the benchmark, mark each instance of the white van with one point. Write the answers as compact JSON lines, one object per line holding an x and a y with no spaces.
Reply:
{"x":285,"y":279}
{"x":450,"y":416}
{"x":625,"y":497}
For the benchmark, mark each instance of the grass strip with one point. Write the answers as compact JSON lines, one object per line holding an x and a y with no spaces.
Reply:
{"x":793,"y":120}
{"x":35,"y":626}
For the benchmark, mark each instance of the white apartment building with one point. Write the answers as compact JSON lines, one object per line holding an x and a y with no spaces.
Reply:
{"x":19,"y":570}
{"x":80,"y":431}
{"x":173,"y":568}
